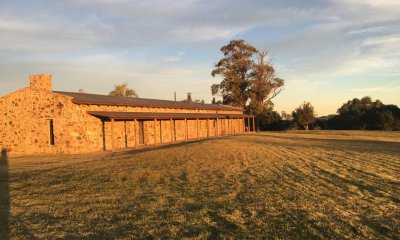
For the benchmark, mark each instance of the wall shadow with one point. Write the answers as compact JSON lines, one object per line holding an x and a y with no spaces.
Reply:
{"x":4,"y":196}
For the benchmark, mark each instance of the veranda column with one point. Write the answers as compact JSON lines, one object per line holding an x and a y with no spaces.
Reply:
{"x":208,"y":128}
{"x":112,"y":136}
{"x":239,"y":126}
{"x":216,"y":128}
{"x":254,"y":125}
{"x":197,"y":125}
{"x":155,"y":131}
{"x":161,"y":140}
{"x":248,"y":124}
{"x":229,"y":126}
{"x":135,"y":132}
{"x":221,"y":127}
{"x":172,"y":129}
{"x":233,"y":126}
{"x":175,"y":130}
{"x":186,"y":130}
{"x":225,"y":128}
{"x":126,"y":135}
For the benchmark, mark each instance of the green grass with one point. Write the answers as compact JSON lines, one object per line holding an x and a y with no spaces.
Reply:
{"x":284,"y":185}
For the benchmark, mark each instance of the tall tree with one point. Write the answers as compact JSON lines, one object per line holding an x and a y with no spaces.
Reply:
{"x":122,"y":90}
{"x":304,"y":115}
{"x":243,"y":79}
{"x":236,"y":70}
{"x":264,"y":84}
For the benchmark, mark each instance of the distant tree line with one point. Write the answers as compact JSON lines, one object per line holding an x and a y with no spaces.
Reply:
{"x":356,"y":114}
{"x":363,"y":114}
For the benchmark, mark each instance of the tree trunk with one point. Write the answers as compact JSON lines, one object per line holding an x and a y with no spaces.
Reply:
{"x":306,"y":126}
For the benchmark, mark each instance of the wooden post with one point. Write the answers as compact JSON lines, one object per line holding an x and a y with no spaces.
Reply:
{"x":254,"y":125}
{"x":197,"y":125}
{"x":233,"y":126}
{"x":175,"y":130}
{"x":186,"y":130}
{"x":103,"y":131}
{"x":238,"y":126}
{"x":248,"y":124}
{"x":229,"y":126}
{"x":112,"y":136}
{"x":172,"y":129}
{"x":224,"y":126}
{"x":155,"y":131}
{"x":135,"y":132}
{"x":216,"y":127}
{"x":160,"y":131}
{"x":126,"y":135}
{"x":208,"y":128}
{"x":244,"y":126}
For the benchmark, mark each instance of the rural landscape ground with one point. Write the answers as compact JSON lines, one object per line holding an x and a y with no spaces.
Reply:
{"x":272,"y":185}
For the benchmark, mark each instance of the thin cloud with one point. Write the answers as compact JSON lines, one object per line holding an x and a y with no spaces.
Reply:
{"x":175,"y":58}
{"x":198,"y":34}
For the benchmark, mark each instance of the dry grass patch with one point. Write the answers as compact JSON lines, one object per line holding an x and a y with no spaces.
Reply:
{"x":287,"y":185}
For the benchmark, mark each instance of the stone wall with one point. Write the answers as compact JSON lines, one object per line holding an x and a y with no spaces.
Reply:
{"x":25,"y":117}
{"x":41,"y":81}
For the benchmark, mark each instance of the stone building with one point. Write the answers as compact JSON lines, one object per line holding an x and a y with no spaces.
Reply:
{"x":38,"y":120}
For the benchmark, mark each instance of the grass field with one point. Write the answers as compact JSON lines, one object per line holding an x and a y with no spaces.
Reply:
{"x":273,"y":185}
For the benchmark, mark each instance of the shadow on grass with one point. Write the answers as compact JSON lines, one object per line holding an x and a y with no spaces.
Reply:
{"x":4,"y":196}
{"x":168,"y":145}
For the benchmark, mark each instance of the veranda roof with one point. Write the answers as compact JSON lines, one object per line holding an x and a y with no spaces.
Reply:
{"x":158,"y":115}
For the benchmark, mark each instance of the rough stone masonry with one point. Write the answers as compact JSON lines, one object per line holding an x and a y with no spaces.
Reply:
{"x":38,"y":120}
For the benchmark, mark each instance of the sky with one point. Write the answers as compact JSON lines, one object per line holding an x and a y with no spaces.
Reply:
{"x":328,"y":51}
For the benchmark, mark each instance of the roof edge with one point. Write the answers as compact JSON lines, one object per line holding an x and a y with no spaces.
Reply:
{"x":196,"y":105}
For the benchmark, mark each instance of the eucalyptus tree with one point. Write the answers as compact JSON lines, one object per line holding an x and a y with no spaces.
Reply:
{"x":122,"y":90}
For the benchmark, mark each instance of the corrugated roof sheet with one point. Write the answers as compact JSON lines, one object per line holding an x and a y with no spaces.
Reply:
{"x":95,"y":99}
{"x":157,"y":115}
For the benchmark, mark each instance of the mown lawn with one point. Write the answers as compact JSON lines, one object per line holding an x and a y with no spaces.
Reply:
{"x":273,"y":185}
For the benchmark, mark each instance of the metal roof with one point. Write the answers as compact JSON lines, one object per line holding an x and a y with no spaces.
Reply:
{"x":95,"y":99}
{"x":157,"y":115}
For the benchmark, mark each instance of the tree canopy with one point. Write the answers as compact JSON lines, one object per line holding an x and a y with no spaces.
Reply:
{"x":122,"y":90}
{"x":264,"y":85}
{"x":243,"y":79}
{"x":304,"y":115}
{"x":366,"y":114}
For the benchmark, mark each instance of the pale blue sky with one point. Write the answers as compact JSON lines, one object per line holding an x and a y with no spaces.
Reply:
{"x":327,"y":51}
